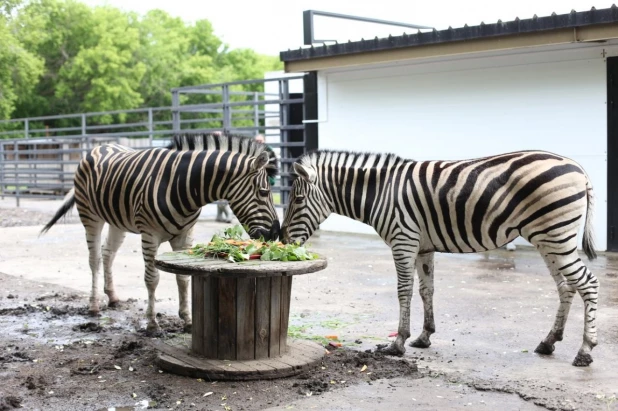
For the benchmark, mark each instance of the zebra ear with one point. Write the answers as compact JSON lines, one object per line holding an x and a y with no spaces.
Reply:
{"x":261,"y":161}
{"x":307,"y":173}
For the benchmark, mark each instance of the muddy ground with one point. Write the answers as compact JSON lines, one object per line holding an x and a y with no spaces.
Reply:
{"x":491,"y":311}
{"x":54,"y":356}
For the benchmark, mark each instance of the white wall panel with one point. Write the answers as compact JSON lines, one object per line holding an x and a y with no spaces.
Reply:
{"x":472,"y":108}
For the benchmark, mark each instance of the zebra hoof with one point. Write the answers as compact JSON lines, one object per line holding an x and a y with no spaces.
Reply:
{"x":114,"y":304}
{"x":392,"y":349}
{"x":582,"y":360}
{"x":93,"y":313}
{"x":187,"y":328}
{"x":153,"y":330}
{"x":418,"y":343}
{"x":545,"y":349}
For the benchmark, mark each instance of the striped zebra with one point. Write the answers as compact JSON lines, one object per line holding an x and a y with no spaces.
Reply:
{"x":422,"y":207}
{"x":159,"y":193}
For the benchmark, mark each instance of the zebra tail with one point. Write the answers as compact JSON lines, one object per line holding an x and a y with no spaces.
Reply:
{"x":588,"y":240}
{"x":69,"y":202}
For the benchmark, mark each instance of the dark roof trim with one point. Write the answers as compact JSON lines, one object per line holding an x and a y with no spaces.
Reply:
{"x":517,"y":26}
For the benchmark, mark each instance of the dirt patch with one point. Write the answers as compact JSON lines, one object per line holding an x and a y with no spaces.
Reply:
{"x":89,"y":327}
{"x":54,"y":356}
{"x":344,"y":367}
{"x":9,"y":402}
{"x":11,"y":354}
{"x":17,"y":311}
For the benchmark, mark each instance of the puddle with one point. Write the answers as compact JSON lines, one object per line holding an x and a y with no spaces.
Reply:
{"x":142,"y":405}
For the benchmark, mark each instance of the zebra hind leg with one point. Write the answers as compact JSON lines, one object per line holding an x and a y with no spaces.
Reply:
{"x":150,"y":245}
{"x":404,"y":262}
{"x":424,"y":268}
{"x":115,"y":237}
{"x":183,"y":242}
{"x":93,"y":239}
{"x":570,"y":275}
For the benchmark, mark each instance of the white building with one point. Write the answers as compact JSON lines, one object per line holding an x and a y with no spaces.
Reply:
{"x":542,"y":83}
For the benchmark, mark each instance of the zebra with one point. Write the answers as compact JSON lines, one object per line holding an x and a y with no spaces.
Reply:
{"x":422,"y":207}
{"x":159,"y":193}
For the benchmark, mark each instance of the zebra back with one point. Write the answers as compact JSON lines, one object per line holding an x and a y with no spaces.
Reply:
{"x":225,"y":142}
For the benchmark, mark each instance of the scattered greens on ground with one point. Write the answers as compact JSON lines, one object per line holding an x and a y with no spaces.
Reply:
{"x":231,"y":246}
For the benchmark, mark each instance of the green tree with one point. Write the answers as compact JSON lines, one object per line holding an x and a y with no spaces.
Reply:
{"x":89,"y":54}
{"x":19,"y":69}
{"x":76,"y":58}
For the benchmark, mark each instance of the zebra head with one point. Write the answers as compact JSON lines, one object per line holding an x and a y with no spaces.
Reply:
{"x":308,"y":205}
{"x":251,"y":200}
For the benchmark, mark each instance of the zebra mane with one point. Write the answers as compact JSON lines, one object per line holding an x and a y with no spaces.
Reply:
{"x":312,"y":158}
{"x":225,"y":142}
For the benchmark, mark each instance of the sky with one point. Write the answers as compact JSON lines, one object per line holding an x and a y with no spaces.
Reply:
{"x":271,"y":26}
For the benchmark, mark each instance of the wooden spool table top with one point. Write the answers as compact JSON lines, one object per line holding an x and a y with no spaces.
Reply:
{"x":182,"y":263}
{"x":240,"y":319}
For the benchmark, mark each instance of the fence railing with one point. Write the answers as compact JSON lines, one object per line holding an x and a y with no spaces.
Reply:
{"x":39,"y":155}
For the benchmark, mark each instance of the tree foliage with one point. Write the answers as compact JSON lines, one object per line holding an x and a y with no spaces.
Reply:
{"x":63,"y":56}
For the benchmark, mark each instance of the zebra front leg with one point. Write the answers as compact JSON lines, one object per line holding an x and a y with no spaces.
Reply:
{"x":183,"y":242}
{"x":115,"y":237}
{"x":424,"y":268}
{"x":150,"y":245}
{"x":404,"y":263}
{"x":93,"y":239}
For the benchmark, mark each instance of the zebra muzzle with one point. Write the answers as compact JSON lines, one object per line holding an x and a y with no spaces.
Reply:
{"x":275,"y":230}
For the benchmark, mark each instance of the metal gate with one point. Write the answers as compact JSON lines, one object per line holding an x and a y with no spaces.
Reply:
{"x":38,"y":156}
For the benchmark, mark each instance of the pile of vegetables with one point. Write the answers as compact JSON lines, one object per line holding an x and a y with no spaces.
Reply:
{"x":231,"y":246}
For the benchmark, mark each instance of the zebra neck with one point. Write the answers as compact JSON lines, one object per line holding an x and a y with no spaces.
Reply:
{"x":208,"y":177}
{"x":352,"y":193}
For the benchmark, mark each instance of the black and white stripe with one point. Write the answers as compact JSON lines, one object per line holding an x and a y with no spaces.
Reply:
{"x":159,"y":193}
{"x":422,"y":207}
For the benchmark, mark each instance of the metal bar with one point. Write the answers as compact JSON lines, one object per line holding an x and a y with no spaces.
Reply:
{"x":150,"y":127}
{"x":135,"y":110}
{"x":26,"y":127}
{"x":201,"y":107}
{"x":113,"y":126}
{"x":53,"y":130}
{"x":234,"y":83}
{"x":57,"y":117}
{"x":363,"y":19}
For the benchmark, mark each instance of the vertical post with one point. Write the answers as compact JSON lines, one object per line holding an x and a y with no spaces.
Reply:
{"x":308,"y":27}
{"x":256,"y":112}
{"x":227,"y":114}
{"x":16,"y":153}
{"x":88,"y":142}
{"x":150,"y":127}
{"x":284,"y":96}
{"x":175,"y":112}
{"x":26,"y":128}
{"x":310,"y":108}
{"x":2,"y":165}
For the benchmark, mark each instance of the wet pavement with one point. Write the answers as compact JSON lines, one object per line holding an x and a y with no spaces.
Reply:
{"x":491,"y":312}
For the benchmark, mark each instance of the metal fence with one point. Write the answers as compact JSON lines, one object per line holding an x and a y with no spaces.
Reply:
{"x":38,"y":156}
